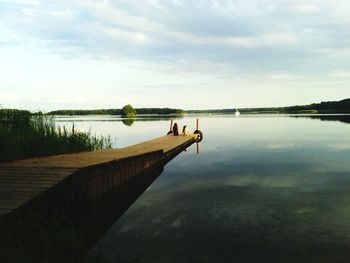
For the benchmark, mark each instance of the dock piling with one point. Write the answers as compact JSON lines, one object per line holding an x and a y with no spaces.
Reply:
{"x":171,"y":125}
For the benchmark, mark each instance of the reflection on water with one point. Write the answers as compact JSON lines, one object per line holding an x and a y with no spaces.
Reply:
{"x":129,"y":121}
{"x":263,"y":189}
{"x":341,"y":117}
{"x":121,"y":130}
{"x":100,"y":118}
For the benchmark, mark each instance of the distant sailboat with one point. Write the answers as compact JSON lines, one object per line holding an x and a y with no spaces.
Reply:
{"x":237,"y":113}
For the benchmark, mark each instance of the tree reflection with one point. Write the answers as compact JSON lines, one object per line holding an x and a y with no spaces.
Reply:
{"x":340,"y":118}
{"x":128,"y":122}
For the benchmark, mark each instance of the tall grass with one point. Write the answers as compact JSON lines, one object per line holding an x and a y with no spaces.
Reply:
{"x":25,"y":135}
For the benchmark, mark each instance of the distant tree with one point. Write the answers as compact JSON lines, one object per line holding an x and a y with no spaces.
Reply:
{"x":128,"y":111}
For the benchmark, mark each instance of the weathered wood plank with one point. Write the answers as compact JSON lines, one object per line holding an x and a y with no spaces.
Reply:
{"x":22,"y":180}
{"x":79,"y":160}
{"x":35,"y":172}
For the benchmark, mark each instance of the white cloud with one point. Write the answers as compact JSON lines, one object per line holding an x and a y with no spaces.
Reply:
{"x":147,"y":24}
{"x":156,"y":4}
{"x":28,"y":11}
{"x":178,"y":3}
{"x":118,"y":34}
{"x":27,"y":2}
{"x":275,"y":39}
{"x":282,"y":77}
{"x":264,"y":40}
{"x":333,"y":51}
{"x":306,"y":8}
{"x":340,"y":74}
{"x":61,"y":13}
{"x":252,"y":50}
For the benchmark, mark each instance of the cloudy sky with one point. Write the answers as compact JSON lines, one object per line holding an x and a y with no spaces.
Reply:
{"x":173,"y":53}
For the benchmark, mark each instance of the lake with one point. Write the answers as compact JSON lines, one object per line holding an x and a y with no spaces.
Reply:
{"x":262,"y":189}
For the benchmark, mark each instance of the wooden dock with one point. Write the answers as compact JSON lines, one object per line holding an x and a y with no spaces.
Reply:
{"x":81,"y":176}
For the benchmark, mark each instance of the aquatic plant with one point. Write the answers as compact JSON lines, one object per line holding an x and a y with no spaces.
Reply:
{"x":24,"y":135}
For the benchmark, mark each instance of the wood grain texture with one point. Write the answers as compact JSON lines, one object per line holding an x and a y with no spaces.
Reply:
{"x":23,"y":180}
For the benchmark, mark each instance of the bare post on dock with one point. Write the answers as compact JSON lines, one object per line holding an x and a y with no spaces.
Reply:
{"x":171,"y":125}
{"x":197,"y":143}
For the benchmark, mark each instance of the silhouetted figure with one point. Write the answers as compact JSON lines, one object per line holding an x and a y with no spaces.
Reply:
{"x":185,"y":131}
{"x":176,"y":130}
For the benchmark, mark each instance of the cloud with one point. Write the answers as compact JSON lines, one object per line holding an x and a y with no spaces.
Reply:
{"x":121,"y":20}
{"x":282,"y":77}
{"x":340,"y":74}
{"x":26,"y":2}
{"x":28,"y":11}
{"x":232,"y":45}
{"x":178,"y":3}
{"x":306,"y":8}
{"x":118,"y":34}
{"x":265,"y":40}
{"x":61,"y":13}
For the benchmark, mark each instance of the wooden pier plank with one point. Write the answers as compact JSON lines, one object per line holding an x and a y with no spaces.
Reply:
{"x":23,"y":180}
{"x":79,"y":160}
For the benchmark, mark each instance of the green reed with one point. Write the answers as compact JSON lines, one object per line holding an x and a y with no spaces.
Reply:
{"x":24,"y":135}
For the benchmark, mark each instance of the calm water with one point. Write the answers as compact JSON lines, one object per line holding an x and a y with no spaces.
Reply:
{"x":262,"y":189}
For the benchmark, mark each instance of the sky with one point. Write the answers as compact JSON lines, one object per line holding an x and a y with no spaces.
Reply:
{"x":202,"y":54}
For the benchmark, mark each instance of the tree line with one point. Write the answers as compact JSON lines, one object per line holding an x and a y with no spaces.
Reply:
{"x":150,"y":111}
{"x":342,"y":106}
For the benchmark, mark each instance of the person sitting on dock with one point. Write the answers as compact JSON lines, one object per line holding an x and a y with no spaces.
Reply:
{"x":185,"y":131}
{"x":175,"y":130}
